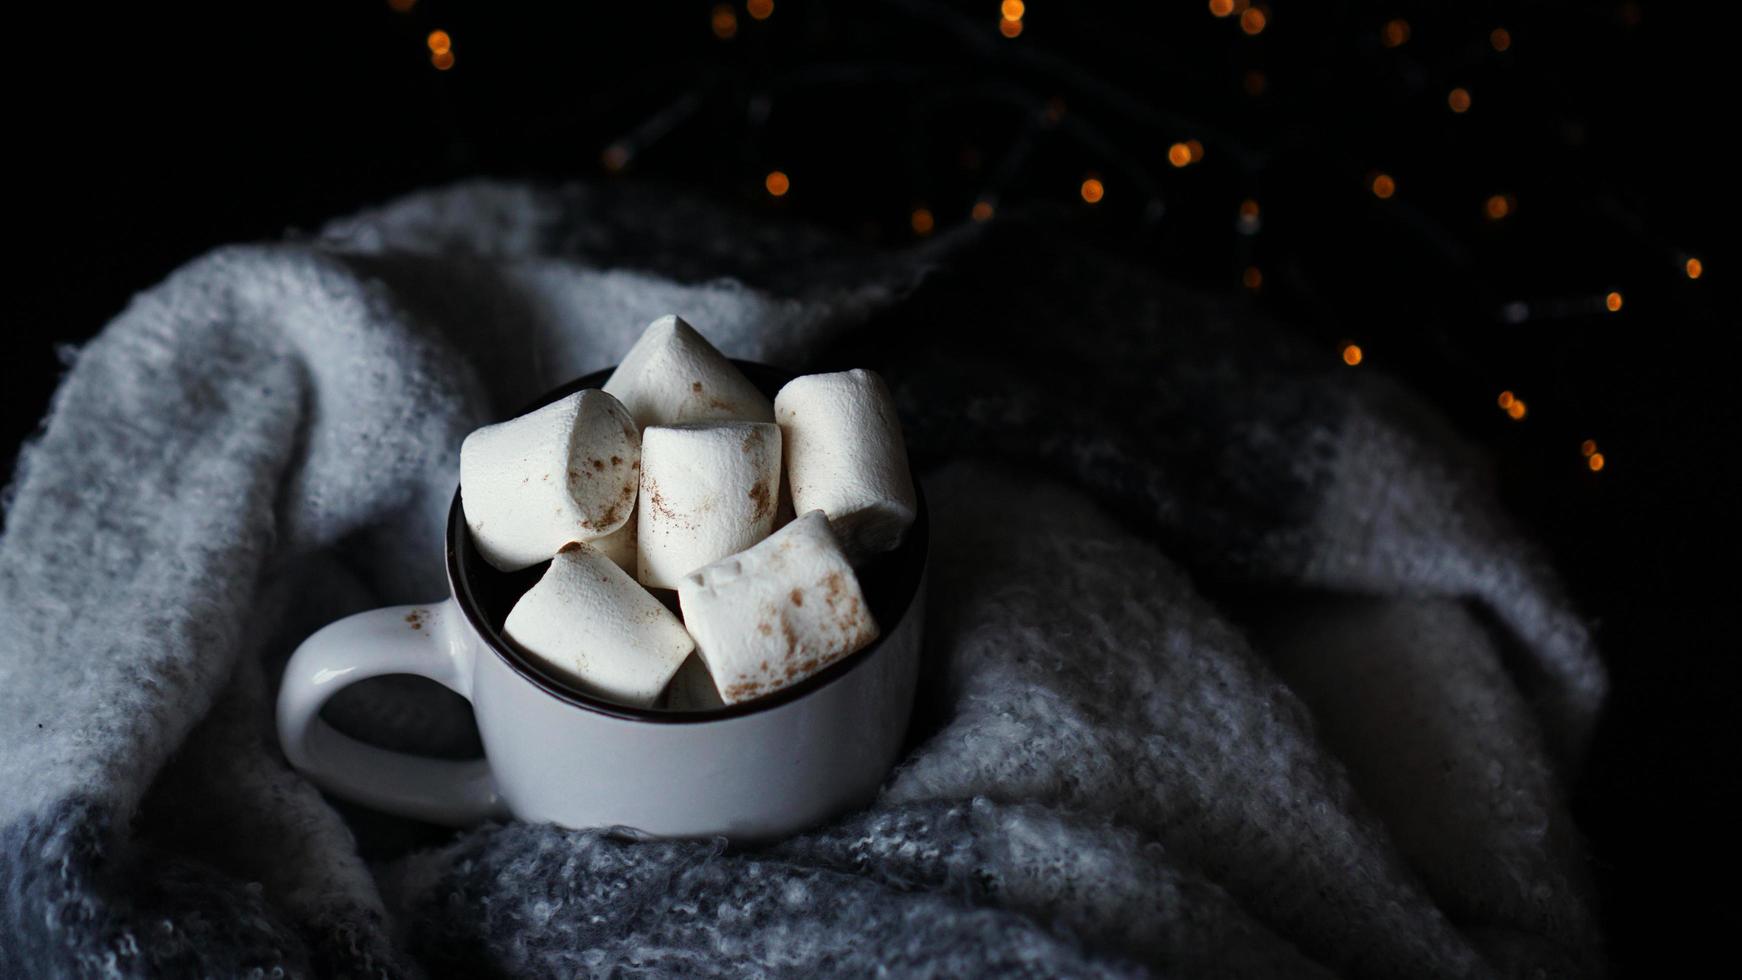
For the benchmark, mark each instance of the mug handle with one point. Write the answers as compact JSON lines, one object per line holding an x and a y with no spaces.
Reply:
{"x":427,"y":641}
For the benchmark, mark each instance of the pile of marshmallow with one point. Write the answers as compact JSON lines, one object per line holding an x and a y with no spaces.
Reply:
{"x":670,"y":478}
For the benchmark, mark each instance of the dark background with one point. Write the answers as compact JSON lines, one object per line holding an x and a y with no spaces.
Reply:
{"x":145,"y":135}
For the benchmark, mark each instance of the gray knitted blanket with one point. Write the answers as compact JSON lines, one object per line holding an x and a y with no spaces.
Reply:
{"x":1233,"y":668}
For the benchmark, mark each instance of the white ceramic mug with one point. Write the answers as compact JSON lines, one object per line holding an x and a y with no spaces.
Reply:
{"x":552,"y":753}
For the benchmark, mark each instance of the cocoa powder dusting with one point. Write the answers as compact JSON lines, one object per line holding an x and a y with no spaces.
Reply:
{"x":801,"y":668}
{"x":605,"y":520}
{"x":759,"y":493}
{"x":657,"y":501}
{"x":742,"y":692}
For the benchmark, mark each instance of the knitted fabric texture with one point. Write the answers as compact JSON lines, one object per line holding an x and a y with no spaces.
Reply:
{"x":1233,"y":664}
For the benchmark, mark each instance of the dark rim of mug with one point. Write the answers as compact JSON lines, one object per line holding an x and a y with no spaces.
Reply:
{"x":911,"y":557}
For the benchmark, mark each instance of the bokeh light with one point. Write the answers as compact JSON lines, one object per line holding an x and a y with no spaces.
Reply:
{"x":724,"y":21}
{"x":1249,"y":222}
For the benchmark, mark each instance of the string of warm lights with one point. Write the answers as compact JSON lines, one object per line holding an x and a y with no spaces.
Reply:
{"x":1094,"y":186}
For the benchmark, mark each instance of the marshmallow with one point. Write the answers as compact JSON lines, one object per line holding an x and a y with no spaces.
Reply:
{"x":777,"y":613}
{"x":845,"y":457}
{"x":565,"y":472}
{"x":692,"y":689}
{"x":673,"y":375}
{"x":708,"y":489}
{"x":619,"y":545}
{"x":587,"y":620}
